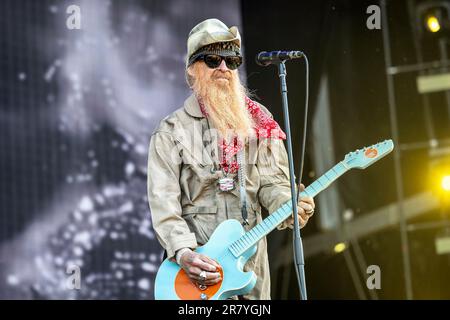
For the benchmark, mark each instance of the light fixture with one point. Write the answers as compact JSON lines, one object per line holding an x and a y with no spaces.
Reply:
{"x":433,"y":24}
{"x":445,"y":182}
{"x":340,"y":247}
{"x":439,"y":177}
{"x":433,"y":18}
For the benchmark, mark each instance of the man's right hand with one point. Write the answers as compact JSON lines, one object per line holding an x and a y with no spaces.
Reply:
{"x":194,"y":263}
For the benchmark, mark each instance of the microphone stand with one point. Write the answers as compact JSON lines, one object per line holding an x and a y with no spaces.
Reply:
{"x":297,"y":239}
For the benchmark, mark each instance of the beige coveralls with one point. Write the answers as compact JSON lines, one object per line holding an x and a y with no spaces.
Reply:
{"x":185,"y":201}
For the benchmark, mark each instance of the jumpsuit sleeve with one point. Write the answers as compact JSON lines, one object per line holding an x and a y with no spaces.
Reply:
{"x":164,"y":194}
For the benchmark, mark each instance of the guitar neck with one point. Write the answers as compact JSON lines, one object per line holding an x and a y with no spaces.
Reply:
{"x":251,"y":237}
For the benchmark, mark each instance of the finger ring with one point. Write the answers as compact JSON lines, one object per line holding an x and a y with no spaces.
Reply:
{"x":310,"y":213}
{"x":203,"y":275}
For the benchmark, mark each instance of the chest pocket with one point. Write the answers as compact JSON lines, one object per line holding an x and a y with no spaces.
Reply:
{"x":192,"y":142}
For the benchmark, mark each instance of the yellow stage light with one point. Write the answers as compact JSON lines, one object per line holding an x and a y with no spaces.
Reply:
{"x":446,"y":183}
{"x":433,"y":24}
{"x":340,"y":247}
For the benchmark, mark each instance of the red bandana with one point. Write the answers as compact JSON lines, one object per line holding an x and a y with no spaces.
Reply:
{"x":265,"y":127}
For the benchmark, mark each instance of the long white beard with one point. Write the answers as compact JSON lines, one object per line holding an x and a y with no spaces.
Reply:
{"x":225,"y":104}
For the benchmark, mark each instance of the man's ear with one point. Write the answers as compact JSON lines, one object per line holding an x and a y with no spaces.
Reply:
{"x":189,"y":76}
{"x":189,"y":71}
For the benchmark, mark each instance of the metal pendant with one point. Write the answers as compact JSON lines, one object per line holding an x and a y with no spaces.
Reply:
{"x":226,"y":184}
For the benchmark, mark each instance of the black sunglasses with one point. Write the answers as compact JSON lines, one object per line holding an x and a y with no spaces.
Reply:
{"x":214,"y":60}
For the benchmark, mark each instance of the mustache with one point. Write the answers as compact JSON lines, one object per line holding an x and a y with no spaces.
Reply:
{"x":222,"y":74}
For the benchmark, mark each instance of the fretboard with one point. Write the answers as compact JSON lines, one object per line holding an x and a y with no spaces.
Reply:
{"x":251,"y":237}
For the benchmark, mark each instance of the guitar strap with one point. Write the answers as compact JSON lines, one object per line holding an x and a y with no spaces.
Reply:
{"x":241,"y":176}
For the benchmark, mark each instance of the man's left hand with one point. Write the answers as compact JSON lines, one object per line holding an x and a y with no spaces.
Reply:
{"x":305,"y":209}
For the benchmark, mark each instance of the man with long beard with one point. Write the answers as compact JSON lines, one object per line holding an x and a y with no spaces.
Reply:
{"x":221,"y":156}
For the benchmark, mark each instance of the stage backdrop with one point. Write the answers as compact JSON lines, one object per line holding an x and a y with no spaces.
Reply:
{"x":77,"y":108}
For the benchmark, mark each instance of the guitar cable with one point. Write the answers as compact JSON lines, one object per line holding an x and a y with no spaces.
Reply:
{"x":297,"y":239}
{"x":305,"y":124}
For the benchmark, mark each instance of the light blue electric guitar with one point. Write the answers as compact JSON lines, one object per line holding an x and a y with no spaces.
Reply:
{"x":231,"y":246}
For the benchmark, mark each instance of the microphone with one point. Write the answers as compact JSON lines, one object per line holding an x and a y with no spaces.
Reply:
{"x":265,"y":58}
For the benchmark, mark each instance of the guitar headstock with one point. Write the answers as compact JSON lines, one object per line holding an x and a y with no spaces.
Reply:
{"x":362,"y":158}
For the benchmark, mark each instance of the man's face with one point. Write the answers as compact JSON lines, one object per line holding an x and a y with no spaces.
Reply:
{"x":221,"y":76}
{"x":223,"y":96}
